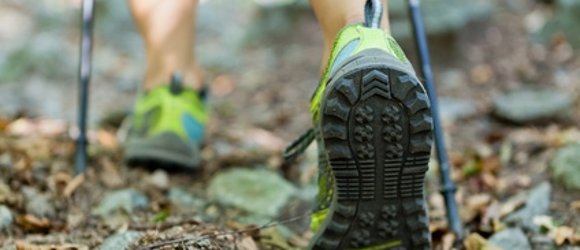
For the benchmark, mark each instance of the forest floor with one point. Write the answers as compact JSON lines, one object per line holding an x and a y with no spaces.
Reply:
{"x":509,"y":193}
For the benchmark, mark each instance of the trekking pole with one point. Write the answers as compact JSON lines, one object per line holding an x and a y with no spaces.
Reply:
{"x":88,"y":10}
{"x":448,"y":187}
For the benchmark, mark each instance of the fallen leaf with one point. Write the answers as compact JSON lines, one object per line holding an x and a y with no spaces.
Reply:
{"x":265,"y":139}
{"x":489,"y":180}
{"x":32,"y":223}
{"x":110,"y":175}
{"x":246,"y":243}
{"x":475,"y":242}
{"x":4,"y":124}
{"x":108,"y":140}
{"x":73,"y":185}
{"x":223,"y":85}
{"x":575,"y":205}
{"x":448,"y":241}
{"x":563,"y":234}
{"x":512,"y":204}
{"x":479,"y":201}
{"x":21,"y":245}
{"x":481,"y":74}
{"x":38,"y":127}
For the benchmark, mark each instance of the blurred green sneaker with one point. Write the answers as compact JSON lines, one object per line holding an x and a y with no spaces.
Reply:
{"x":372,"y":121}
{"x":167,"y":127}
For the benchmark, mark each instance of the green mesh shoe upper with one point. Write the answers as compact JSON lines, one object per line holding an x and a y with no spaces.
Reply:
{"x":167,"y":126}
{"x":160,"y":110}
{"x":350,"y":41}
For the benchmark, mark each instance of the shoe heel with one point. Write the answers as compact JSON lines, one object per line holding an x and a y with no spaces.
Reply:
{"x":376,"y":128}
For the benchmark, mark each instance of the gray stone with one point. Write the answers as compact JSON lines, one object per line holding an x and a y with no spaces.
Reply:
{"x":529,"y":105}
{"x":185,"y":201}
{"x":119,"y":241}
{"x":453,"y":109}
{"x":565,"y":21}
{"x":257,"y":191}
{"x":6,"y":218}
{"x":565,"y":166}
{"x":512,"y":238}
{"x":438,"y":17}
{"x":37,"y":204}
{"x":537,"y":203}
{"x":126,"y":200}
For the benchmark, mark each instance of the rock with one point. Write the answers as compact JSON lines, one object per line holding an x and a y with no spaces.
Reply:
{"x":565,"y":166}
{"x":258,"y":191}
{"x":564,"y":22}
{"x":185,"y":201}
{"x":5,"y":192}
{"x":453,"y":109}
{"x":438,"y":17}
{"x":126,"y":200}
{"x":6,"y":218}
{"x":37,"y":204}
{"x":512,"y":238}
{"x":542,"y":242}
{"x":537,"y":203}
{"x":159,"y":179}
{"x":119,"y":241}
{"x":530,"y":105}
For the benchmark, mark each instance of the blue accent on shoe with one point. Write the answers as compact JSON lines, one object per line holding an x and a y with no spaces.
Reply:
{"x":192,"y":127}
{"x":344,"y":53}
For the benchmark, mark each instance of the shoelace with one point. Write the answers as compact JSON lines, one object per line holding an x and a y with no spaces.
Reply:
{"x":298,"y":146}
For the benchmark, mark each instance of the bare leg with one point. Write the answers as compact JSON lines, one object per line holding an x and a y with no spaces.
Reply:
{"x":168,"y":30}
{"x":333,"y":15}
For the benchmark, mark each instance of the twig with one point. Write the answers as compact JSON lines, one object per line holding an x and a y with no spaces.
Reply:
{"x":193,"y":240}
{"x":163,"y":226}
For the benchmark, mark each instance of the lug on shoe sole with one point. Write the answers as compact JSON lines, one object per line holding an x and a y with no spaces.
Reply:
{"x":376,"y":128}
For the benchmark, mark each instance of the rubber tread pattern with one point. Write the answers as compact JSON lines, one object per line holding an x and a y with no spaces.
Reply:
{"x":376,"y":127}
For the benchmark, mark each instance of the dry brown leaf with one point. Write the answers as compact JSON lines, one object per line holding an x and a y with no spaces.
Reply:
{"x":474,"y":242}
{"x":478,"y":201}
{"x":490,"y":216}
{"x":491,"y":164}
{"x":512,"y":204}
{"x":481,"y":74}
{"x":4,"y":124}
{"x":563,"y":234}
{"x":576,"y":238}
{"x":33,"y":223}
{"x":110,"y":175}
{"x":265,"y":139}
{"x":448,"y":241}
{"x":21,"y":245}
{"x":38,"y":127}
{"x":246,"y":243}
{"x":223,"y":85}
{"x":73,"y":185}
{"x":489,"y":180}
{"x":108,"y":140}
{"x":59,"y":181}
{"x":575,"y":205}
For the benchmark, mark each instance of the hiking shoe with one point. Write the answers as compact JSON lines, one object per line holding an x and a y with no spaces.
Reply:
{"x":167,"y":127}
{"x":372,"y":121}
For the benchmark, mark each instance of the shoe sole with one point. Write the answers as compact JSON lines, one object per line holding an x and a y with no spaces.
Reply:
{"x":166,"y":151}
{"x":376,"y":128}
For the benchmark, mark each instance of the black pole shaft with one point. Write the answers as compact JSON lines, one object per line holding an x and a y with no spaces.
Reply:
{"x":447,"y":186}
{"x":84,"y":78}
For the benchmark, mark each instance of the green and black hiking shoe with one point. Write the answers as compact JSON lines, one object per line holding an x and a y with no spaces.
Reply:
{"x":372,"y":122}
{"x":167,"y":127}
